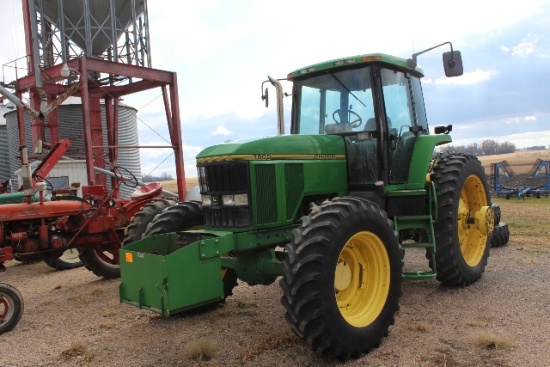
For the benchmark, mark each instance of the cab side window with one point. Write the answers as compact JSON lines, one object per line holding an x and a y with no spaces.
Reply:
{"x":398,"y":103}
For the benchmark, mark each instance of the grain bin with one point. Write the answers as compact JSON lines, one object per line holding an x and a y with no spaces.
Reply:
{"x":71,"y":127}
{"x":5,"y":172}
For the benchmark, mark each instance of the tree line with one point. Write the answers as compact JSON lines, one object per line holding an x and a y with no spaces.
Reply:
{"x":163,"y":177}
{"x":487,"y":147}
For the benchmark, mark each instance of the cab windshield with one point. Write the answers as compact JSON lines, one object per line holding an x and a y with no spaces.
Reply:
{"x":333,"y":103}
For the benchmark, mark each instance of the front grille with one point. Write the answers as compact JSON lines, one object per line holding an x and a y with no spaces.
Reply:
{"x":226,"y":177}
{"x":266,"y":191}
{"x":217,"y":179}
{"x":294,"y":178}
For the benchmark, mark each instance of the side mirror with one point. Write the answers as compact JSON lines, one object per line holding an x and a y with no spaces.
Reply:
{"x":452,"y":63}
{"x":443,"y":129}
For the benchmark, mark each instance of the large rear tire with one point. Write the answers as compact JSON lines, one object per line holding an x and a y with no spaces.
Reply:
{"x":342,"y":278}
{"x":465,"y":220}
{"x":11,"y":307}
{"x":182,"y":217}
{"x":68,"y":260}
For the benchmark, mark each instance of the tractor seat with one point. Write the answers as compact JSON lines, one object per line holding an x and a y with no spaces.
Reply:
{"x":149,"y":190}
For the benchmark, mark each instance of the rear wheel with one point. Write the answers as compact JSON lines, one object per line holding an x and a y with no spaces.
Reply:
{"x":501,"y":235}
{"x":182,"y":217}
{"x":141,"y":219}
{"x":465,"y":220}
{"x":68,"y":260}
{"x":342,"y":278}
{"x":11,"y":307}
{"x":103,"y":263}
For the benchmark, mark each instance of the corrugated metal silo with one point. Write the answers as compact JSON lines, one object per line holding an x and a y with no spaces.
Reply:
{"x":71,"y":127}
{"x":4,"y":162}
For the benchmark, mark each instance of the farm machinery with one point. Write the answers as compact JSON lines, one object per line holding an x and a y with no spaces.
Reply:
{"x":536,"y":172}
{"x":331,"y":209}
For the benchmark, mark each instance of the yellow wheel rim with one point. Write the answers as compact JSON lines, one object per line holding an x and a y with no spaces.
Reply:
{"x":475,"y":220}
{"x":362,"y":279}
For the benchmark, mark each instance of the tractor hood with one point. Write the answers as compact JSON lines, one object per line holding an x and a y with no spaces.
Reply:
{"x":281,"y":147}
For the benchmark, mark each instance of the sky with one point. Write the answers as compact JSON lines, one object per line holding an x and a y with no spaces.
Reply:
{"x":223,"y":50}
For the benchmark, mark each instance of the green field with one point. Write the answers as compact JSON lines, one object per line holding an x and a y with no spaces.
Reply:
{"x":528,"y":220}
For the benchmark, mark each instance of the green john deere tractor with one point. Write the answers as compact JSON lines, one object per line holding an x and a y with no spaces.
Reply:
{"x":330,"y":208}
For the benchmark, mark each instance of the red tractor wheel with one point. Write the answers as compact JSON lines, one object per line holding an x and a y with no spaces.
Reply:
{"x":11,"y":307}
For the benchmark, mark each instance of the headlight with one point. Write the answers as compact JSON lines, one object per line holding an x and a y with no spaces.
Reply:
{"x":206,"y":200}
{"x":235,"y":200}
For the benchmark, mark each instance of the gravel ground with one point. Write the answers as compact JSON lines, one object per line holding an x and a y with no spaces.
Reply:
{"x":73,"y":318}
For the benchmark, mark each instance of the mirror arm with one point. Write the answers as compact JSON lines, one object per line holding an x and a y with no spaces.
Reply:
{"x":412,"y":61}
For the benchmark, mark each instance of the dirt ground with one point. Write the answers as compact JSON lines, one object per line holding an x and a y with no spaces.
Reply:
{"x":73,"y":318}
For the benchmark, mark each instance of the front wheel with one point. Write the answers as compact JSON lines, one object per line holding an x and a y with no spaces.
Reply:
{"x":11,"y":307}
{"x":138,"y":225}
{"x":342,"y":278}
{"x":465,"y":220}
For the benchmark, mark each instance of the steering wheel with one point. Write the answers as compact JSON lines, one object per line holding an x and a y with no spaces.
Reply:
{"x":355,"y":123}
{"x":125,"y":176}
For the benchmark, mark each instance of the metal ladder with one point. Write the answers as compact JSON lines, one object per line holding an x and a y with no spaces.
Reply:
{"x":418,"y":222}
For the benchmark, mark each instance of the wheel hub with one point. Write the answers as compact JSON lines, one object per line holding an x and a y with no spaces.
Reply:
{"x":343,"y":276}
{"x":485,"y":220}
{"x":4,"y":308}
{"x":362,"y":279}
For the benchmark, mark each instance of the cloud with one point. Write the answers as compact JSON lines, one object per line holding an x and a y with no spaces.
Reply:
{"x":530,"y":45}
{"x":526,"y":47}
{"x":530,"y":118}
{"x":222,"y":130}
{"x":473,"y":77}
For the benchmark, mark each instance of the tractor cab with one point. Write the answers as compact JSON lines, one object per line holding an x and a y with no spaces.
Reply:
{"x":375,"y":103}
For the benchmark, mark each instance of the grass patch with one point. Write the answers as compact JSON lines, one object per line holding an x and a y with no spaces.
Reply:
{"x":421,"y":326}
{"x":78,"y":350}
{"x":528,"y":219}
{"x":488,"y":340}
{"x":480,"y":321}
{"x":108,"y":325}
{"x":202,"y":349}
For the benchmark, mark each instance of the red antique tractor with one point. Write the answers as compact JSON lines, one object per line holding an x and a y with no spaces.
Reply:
{"x":37,"y":226}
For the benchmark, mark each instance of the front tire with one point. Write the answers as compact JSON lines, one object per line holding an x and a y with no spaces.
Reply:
{"x":11,"y":307}
{"x":465,"y":220}
{"x":137,"y":227}
{"x":342,"y":278}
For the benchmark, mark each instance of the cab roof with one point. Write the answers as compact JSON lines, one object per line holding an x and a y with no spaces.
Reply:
{"x":356,"y":60}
